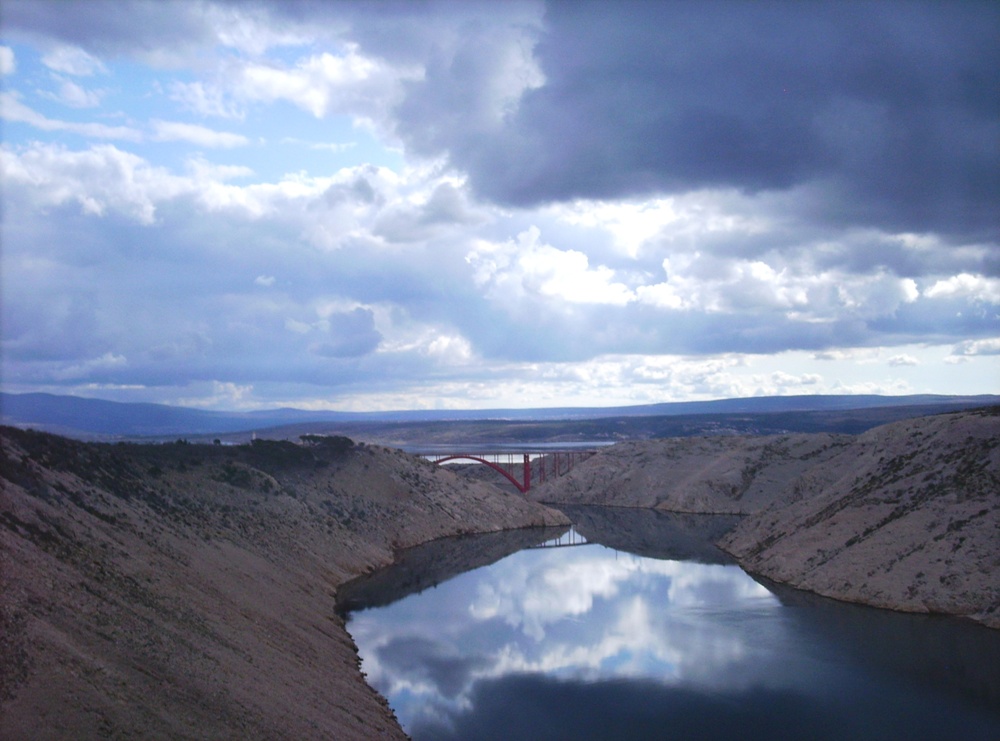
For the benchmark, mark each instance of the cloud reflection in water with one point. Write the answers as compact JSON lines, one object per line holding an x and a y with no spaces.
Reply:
{"x":582,"y":614}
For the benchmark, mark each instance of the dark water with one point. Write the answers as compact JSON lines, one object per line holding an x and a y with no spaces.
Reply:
{"x":595,"y":642}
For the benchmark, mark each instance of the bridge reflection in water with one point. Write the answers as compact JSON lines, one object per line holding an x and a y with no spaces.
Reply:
{"x":568,"y":539}
{"x":533,"y":466}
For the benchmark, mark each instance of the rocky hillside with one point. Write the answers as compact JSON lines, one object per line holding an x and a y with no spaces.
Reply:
{"x":187,"y":591}
{"x":719,"y":475}
{"x":906,"y":517}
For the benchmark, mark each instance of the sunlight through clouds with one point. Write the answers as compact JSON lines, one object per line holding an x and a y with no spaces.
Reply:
{"x":539,"y":206}
{"x":528,"y":267}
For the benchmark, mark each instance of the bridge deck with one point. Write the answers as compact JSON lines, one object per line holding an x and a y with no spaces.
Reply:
{"x":530,"y":465}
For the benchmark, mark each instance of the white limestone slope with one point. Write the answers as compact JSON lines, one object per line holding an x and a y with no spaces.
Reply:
{"x":907,"y":517}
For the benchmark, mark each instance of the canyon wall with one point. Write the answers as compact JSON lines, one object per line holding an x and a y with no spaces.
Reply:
{"x":188,"y":591}
{"x":904,"y":516}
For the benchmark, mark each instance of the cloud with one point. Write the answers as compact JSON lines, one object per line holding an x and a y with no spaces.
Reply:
{"x":100,"y":179}
{"x":515,"y":299}
{"x":8,"y":63}
{"x":12,"y":109}
{"x":89,"y":367}
{"x":989,"y":346}
{"x":335,"y":147}
{"x":72,"y":60}
{"x":346,"y":334}
{"x":650,"y":98}
{"x":74,"y":96}
{"x":252,"y":30}
{"x":967,"y":286}
{"x":325,"y":84}
{"x":526,"y":267}
{"x":206,"y":99}
{"x":156,"y":33}
{"x":716,"y":285}
{"x":425,"y":215}
{"x":522,"y":202}
{"x":204,"y":171}
{"x":104,"y":178}
{"x":229,"y":395}
{"x":195,"y":134}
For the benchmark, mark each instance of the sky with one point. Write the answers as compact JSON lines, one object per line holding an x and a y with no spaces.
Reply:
{"x":370,"y":206}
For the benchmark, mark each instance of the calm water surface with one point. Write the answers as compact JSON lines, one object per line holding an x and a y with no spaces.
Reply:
{"x":596,"y":642}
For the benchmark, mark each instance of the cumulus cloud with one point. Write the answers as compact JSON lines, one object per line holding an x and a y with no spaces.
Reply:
{"x":705,"y":283}
{"x":98,"y":179}
{"x":105,"y":178}
{"x":967,"y":286}
{"x":452,"y":203}
{"x":323,"y":84}
{"x":527,"y":267}
{"x":708,"y":283}
{"x":990,"y":346}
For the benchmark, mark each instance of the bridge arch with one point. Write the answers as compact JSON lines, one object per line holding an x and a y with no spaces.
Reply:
{"x":521,"y":487}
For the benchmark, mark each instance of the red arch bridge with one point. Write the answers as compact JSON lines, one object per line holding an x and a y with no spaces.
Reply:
{"x":519,"y":468}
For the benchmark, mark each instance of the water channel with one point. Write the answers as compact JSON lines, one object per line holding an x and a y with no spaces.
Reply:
{"x":635,"y":627}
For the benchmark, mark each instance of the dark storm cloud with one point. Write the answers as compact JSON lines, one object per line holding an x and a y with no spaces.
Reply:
{"x":111,"y":26}
{"x":891,"y":108}
{"x":810,"y":152}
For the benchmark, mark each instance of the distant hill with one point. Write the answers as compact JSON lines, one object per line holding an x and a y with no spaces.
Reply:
{"x":85,"y":418}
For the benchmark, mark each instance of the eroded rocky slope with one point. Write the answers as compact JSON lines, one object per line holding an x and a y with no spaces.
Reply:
{"x":186,"y":591}
{"x":719,"y":475}
{"x":905,"y":516}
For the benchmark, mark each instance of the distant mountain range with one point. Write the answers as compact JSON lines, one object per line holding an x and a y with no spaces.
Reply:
{"x":85,"y":418}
